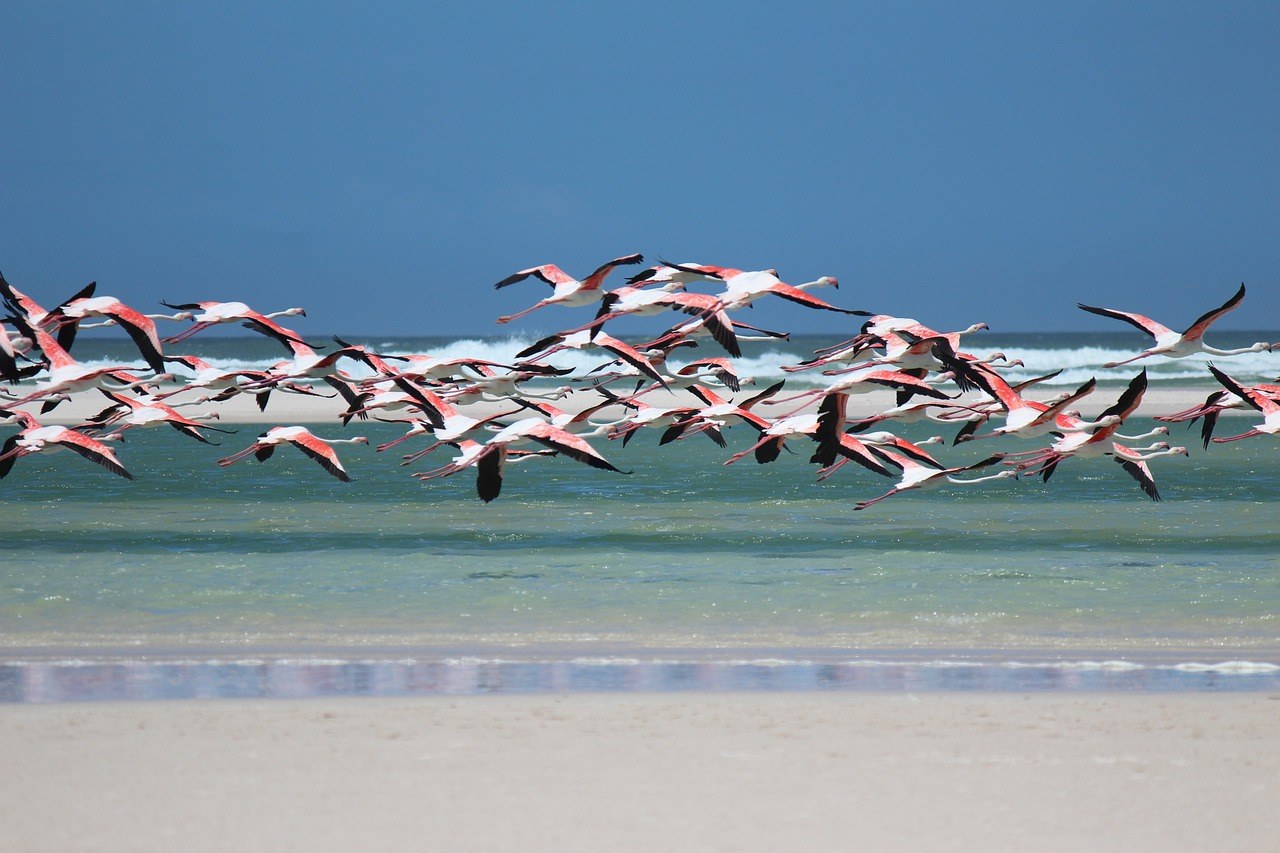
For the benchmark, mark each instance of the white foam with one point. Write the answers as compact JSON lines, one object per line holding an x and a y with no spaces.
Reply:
{"x":1230,"y":667}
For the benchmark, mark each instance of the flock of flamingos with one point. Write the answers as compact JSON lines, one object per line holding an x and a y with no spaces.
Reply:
{"x":933,"y":376}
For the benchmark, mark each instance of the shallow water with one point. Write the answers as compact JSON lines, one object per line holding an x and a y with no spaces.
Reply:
{"x":685,"y":559}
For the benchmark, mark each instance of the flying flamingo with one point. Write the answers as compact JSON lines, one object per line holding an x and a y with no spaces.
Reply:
{"x":34,"y":315}
{"x":742,"y":287}
{"x":140,"y":327}
{"x":1254,"y":398}
{"x":866,"y":380}
{"x":746,"y":287}
{"x":212,"y":313}
{"x":566,"y":290}
{"x":1213,"y":405}
{"x":35,"y":438}
{"x":301,"y":438}
{"x":825,"y":426}
{"x":66,"y":375}
{"x":1102,"y":442}
{"x":918,"y":476}
{"x":491,"y":457}
{"x":136,"y":413}
{"x":584,"y":340}
{"x":1030,"y":418}
{"x":1171,"y":344}
{"x":13,"y":348}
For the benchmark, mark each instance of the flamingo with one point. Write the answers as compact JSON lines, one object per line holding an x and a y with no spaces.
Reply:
{"x":686,"y":273}
{"x":226,"y":382}
{"x":66,"y":375}
{"x":825,"y":426}
{"x":12,"y":348}
{"x":34,"y":315}
{"x":908,"y":353}
{"x":1213,"y":405}
{"x":136,"y":413}
{"x":490,"y":458}
{"x":685,"y":334}
{"x":584,"y":340}
{"x":35,"y":438}
{"x":675,"y":420}
{"x":1029,"y":418}
{"x":566,"y":290}
{"x":1135,"y":462}
{"x":746,"y":287}
{"x":1255,"y":398}
{"x":628,"y":300}
{"x":918,"y":476}
{"x":866,"y":380}
{"x":1102,"y":442}
{"x":212,"y":313}
{"x":1171,"y":344}
{"x":140,"y":327}
{"x":714,"y":414}
{"x":742,"y":287}
{"x":301,"y":438}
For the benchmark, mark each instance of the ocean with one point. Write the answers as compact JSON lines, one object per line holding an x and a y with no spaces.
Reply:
{"x":275,"y":579}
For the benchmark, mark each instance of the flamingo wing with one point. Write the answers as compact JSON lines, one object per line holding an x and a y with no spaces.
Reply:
{"x":1130,"y":398}
{"x":593,"y":281}
{"x":489,"y":465}
{"x":1261,"y":402}
{"x":548,"y":273}
{"x":321,"y":453}
{"x":570,"y":445}
{"x":93,"y":450}
{"x":794,"y":294}
{"x":1197,"y":329}
{"x":1132,"y":462}
{"x":631,"y":356}
{"x":1146,"y":324}
{"x":709,"y":310}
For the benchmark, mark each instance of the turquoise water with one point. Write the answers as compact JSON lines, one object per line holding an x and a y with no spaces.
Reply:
{"x":683,"y":562}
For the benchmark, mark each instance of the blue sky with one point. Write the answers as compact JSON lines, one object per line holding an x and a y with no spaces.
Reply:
{"x":384,"y":166}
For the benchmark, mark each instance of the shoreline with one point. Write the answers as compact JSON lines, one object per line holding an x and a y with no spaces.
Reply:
{"x":647,"y":771}
{"x":286,"y":408}
{"x":32,"y":679}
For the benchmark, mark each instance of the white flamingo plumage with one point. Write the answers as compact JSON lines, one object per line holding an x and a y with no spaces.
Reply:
{"x":36,"y":438}
{"x":566,"y":290}
{"x":1171,"y":344}
{"x":302,"y":438}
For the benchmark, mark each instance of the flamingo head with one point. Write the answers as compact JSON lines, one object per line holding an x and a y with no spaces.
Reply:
{"x":828,"y":281}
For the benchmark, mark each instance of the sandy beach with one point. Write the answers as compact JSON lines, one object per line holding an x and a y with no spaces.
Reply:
{"x":297,"y":408}
{"x":644,"y":772}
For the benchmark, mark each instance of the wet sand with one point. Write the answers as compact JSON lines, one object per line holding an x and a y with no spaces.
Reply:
{"x":706,"y":771}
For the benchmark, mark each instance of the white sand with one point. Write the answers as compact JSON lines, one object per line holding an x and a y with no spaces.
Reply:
{"x":647,"y":772}
{"x":300,"y":409}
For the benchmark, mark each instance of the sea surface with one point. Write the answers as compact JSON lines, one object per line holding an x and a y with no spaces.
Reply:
{"x":275,"y":579}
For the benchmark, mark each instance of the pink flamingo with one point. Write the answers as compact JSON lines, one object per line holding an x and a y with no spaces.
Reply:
{"x":1171,"y":344}
{"x":566,"y":290}
{"x":35,"y":438}
{"x":301,"y":438}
